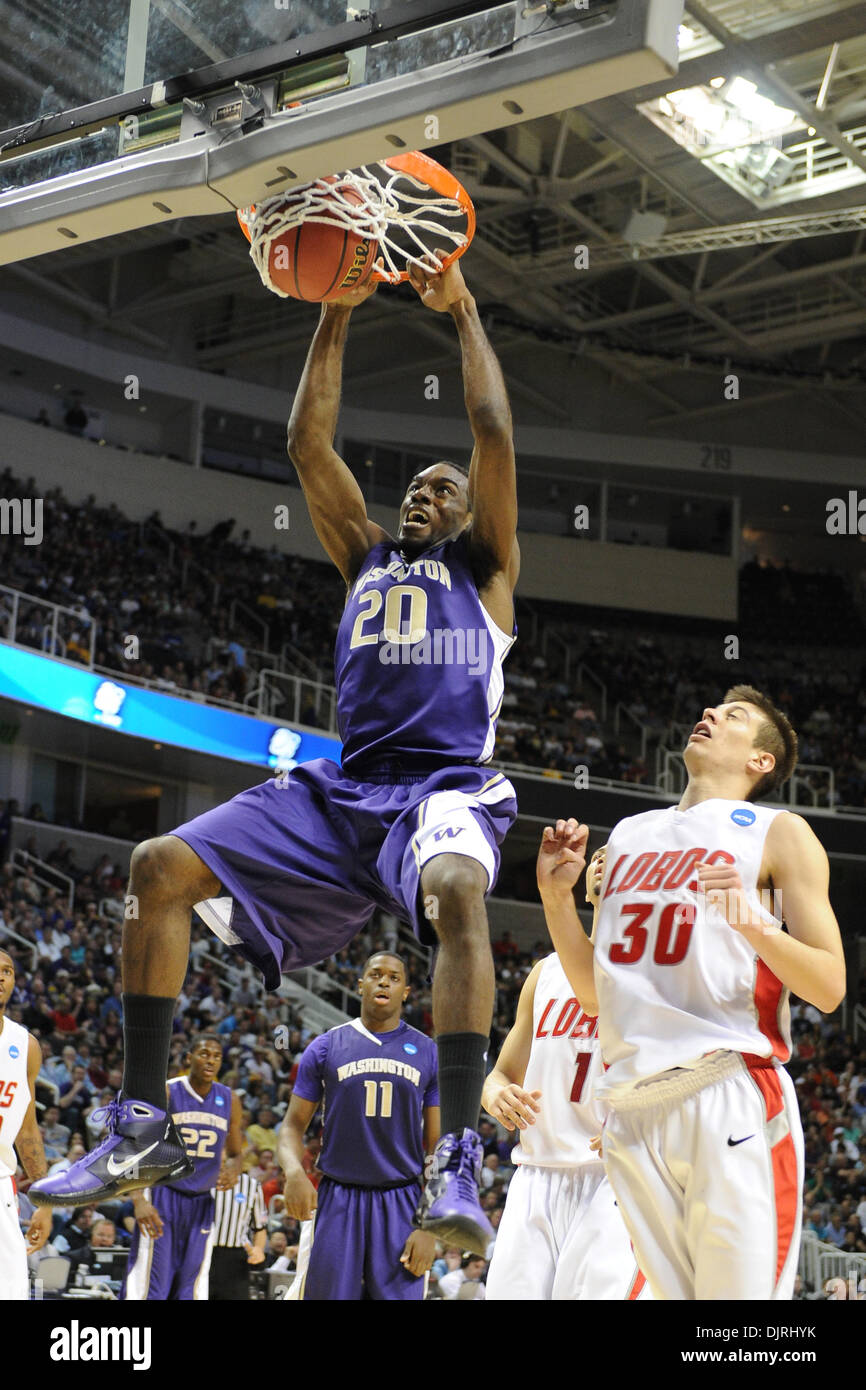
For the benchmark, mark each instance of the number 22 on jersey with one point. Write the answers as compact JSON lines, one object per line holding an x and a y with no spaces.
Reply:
{"x":199,"y":1143}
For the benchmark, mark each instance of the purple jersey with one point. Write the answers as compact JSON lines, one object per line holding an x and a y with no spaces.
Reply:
{"x":376,"y":1087}
{"x":204,"y":1127}
{"x":418,"y":662}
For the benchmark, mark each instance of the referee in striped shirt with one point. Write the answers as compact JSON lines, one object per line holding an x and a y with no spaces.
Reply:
{"x":240,"y":1213}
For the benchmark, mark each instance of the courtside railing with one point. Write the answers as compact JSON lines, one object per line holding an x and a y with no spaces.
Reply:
{"x":29,"y":621}
{"x":7,"y":934}
{"x":621,"y":713}
{"x":799,"y":790}
{"x":294,"y":700}
{"x":303,"y":988}
{"x":828,"y":1271}
{"x":45,"y":875}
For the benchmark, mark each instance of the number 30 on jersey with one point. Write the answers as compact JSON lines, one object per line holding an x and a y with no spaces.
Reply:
{"x":671,"y":937}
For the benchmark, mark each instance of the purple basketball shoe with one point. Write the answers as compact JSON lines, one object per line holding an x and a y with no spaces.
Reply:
{"x":449,"y":1205}
{"x":142,"y":1147}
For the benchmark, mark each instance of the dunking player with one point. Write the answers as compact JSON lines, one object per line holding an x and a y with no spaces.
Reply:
{"x":377,"y":1077}
{"x":690,"y":974}
{"x":172,"y":1242}
{"x":20,"y":1060}
{"x":561,"y":1236}
{"x":411,"y":821}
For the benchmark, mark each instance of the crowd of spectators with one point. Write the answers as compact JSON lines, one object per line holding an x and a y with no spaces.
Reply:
{"x":800,"y":638}
{"x":663,"y":672}
{"x":70,"y":998}
{"x":830,"y":1076}
{"x":198,"y":606}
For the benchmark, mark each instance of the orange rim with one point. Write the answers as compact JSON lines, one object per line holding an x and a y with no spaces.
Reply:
{"x":441,"y":180}
{"x":436,"y":176}
{"x":242,"y":224}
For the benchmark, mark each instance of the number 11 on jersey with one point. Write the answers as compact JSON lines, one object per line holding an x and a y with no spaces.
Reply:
{"x":387,"y":1089}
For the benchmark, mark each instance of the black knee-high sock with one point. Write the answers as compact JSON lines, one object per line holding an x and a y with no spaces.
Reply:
{"x":462,"y":1058}
{"x":147,"y":1021}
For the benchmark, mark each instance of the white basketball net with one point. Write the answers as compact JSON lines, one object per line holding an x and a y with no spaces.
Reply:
{"x":383,"y":209}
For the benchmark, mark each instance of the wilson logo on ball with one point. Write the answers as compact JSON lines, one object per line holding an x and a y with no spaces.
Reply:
{"x":358,"y":266}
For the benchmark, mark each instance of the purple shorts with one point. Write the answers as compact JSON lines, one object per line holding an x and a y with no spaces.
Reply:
{"x":358,"y":1236}
{"x":175,"y":1266}
{"x":304,"y":860}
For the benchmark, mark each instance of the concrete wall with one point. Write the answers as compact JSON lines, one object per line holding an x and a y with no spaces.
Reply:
{"x":525,"y":922}
{"x":555,"y":568}
{"x":798,"y":429}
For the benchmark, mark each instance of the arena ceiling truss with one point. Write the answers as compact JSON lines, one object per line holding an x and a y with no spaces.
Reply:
{"x":696,"y":256}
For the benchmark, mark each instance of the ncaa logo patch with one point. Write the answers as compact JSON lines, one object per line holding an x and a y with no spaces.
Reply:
{"x":743,"y":816}
{"x":13,"y":1050}
{"x":410,"y":1048}
{"x":220,"y":1101}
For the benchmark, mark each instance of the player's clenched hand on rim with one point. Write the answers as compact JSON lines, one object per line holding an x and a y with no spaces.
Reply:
{"x":299,"y":1196}
{"x":438,"y":289}
{"x":561,"y":858}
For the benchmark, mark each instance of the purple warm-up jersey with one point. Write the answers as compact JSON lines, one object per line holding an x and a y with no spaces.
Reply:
{"x":204,"y":1128}
{"x":418,"y":662}
{"x":376,"y":1087}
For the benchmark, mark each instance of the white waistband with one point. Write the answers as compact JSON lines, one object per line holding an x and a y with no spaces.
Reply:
{"x":679,"y":1082}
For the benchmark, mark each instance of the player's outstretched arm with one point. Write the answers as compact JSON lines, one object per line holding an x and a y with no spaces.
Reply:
{"x":560,"y":863}
{"x":337,"y":508}
{"x":504,"y":1097}
{"x":298,"y":1191}
{"x":31,"y":1151}
{"x":809,"y":960}
{"x":492,"y":474}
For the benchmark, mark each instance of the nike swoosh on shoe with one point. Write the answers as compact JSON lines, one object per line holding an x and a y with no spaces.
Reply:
{"x":116,"y":1169}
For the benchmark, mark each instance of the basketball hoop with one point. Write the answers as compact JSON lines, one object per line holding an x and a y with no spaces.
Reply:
{"x":407,"y":203}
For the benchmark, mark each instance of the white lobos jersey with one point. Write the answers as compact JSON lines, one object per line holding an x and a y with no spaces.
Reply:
{"x":564,"y":1065}
{"x":674,"y":980}
{"x":14,"y":1091}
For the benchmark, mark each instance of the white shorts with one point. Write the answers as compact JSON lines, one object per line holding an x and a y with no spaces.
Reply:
{"x":707,"y":1166}
{"x":14,"y":1274}
{"x":562,"y":1237}
{"x":452,"y":815}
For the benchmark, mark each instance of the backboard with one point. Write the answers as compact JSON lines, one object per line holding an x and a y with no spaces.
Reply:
{"x":101,"y":138}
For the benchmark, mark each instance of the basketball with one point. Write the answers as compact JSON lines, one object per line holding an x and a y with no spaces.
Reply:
{"x":317,"y":262}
